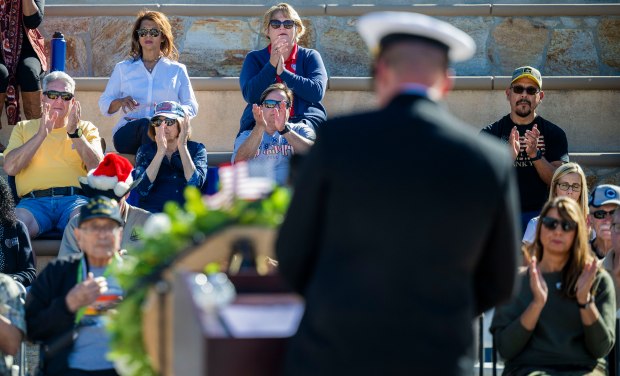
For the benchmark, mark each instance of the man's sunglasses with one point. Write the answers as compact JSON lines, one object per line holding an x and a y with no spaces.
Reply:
{"x":152,"y":32}
{"x":53,"y":95}
{"x":552,"y":223}
{"x":288,"y":24}
{"x":169,"y":122}
{"x":565,"y":186}
{"x":530,"y":90}
{"x":272,"y":103}
{"x":601,"y":214}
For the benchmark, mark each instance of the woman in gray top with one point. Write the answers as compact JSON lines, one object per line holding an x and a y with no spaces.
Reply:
{"x":563,"y":320}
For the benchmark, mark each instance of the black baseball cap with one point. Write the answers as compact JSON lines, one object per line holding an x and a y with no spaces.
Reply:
{"x":100,"y":207}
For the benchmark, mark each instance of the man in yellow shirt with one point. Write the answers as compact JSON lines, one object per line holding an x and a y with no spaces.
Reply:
{"x":47,"y":156}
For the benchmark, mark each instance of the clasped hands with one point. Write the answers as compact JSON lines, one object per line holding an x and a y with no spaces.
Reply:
{"x":531,"y":141}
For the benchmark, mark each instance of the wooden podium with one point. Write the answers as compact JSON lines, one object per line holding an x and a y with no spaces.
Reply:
{"x":183,"y":338}
{"x":205,"y":343}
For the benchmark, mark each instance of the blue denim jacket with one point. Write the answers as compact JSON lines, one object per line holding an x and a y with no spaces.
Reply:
{"x":170,"y":181}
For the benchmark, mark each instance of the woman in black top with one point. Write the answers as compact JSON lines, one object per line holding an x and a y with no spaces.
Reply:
{"x":16,"y":258}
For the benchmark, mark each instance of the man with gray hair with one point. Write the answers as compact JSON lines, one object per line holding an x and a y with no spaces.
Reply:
{"x":47,"y":156}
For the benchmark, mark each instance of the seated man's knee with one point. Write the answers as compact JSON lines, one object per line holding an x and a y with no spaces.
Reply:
{"x":27,"y":217}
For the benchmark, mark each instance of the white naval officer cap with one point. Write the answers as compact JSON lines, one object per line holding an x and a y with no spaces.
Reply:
{"x":378,"y":28}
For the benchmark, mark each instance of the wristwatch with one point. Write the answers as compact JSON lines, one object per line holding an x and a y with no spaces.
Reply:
{"x":538,"y":156}
{"x":584,"y":306}
{"x":76,"y":134}
{"x":285,"y":130}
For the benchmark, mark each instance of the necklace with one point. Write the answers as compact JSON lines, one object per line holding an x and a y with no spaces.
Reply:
{"x":149,"y":62}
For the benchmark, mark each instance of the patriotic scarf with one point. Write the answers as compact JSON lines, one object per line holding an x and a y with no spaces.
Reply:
{"x":290,"y":64}
{"x":12,"y":38}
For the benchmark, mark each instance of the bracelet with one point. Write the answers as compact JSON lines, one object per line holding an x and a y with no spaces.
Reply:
{"x":584,"y":306}
{"x":285,"y":130}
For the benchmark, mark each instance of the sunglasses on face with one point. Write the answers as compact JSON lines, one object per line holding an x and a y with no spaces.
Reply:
{"x":602,"y":214}
{"x":552,"y":223}
{"x":530,"y":90}
{"x":169,"y":122}
{"x":53,"y":95}
{"x":565,"y":186}
{"x":288,"y":24}
{"x":272,"y":103}
{"x":152,"y":32}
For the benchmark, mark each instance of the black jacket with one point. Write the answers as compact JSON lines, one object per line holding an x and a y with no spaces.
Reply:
{"x":402,"y":228}
{"x":16,"y":257}
{"x":47,"y":316}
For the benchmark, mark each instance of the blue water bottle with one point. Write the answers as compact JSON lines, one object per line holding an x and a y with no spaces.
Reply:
{"x":59,"y":52}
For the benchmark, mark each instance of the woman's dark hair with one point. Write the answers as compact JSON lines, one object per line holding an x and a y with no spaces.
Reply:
{"x":7,"y":205}
{"x":168,"y":49}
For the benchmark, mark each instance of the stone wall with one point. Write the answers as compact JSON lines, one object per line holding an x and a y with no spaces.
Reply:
{"x":216,"y":46}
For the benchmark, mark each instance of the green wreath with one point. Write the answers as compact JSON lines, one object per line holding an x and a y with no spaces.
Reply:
{"x":179,"y":229}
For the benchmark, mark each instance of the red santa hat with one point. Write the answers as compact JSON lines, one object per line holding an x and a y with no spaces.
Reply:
{"x":111,"y":177}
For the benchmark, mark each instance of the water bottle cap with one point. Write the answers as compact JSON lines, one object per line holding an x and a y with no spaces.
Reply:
{"x":58,"y":35}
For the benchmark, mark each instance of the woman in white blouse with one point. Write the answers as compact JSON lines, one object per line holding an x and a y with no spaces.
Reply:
{"x":151,"y":75}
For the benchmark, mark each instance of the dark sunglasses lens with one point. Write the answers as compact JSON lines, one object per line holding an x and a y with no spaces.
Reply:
{"x":550,"y":223}
{"x":518,"y":89}
{"x":270,"y":103}
{"x":154,"y":33}
{"x":275,"y":24}
{"x":51,"y":95}
{"x":601,"y":214}
{"x":531,"y":90}
{"x":568,"y":226}
{"x":288,"y":24}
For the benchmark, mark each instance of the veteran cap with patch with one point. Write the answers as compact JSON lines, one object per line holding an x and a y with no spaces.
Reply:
{"x":379,"y":27}
{"x":100,"y":207}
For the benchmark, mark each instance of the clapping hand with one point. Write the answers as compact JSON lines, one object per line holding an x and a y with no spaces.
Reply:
{"x":259,"y":117}
{"x":48,"y":119}
{"x":280,"y":116}
{"x":585,"y":282}
{"x":160,"y":139}
{"x":183,"y":131}
{"x":531,"y":141}
{"x":515,"y":144}
{"x":280,"y":50}
{"x":74,"y":117}
{"x":538,"y":284}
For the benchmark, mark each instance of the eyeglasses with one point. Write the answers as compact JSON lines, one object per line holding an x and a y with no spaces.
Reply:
{"x":53,"y":95}
{"x":105,"y":230}
{"x":602,"y":214}
{"x":288,"y":24}
{"x":169,"y":122}
{"x":552,"y":223}
{"x":565,"y":186}
{"x":272,"y":103}
{"x":530,"y":90}
{"x":152,"y":32}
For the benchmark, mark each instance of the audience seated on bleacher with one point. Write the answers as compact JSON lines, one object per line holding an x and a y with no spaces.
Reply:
{"x":170,"y":162}
{"x":604,"y":201}
{"x":568,"y":180}
{"x":48,"y":155}
{"x":12,"y":323}
{"x":537,"y":145}
{"x":112,"y":179}
{"x":16,"y":257}
{"x":563,"y":320}
{"x":274,"y":140}
{"x":283,"y":60}
{"x":151,"y":75}
{"x":67,"y":304}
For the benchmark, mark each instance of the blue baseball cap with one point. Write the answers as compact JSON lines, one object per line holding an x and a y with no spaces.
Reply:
{"x":168,"y":109}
